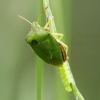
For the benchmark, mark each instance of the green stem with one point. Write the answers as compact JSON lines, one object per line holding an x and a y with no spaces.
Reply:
{"x":39,"y":72}
{"x":49,"y":16}
{"x":39,"y":63}
{"x":77,"y":93}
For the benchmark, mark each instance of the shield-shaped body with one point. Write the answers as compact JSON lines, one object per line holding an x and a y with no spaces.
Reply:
{"x":45,"y":45}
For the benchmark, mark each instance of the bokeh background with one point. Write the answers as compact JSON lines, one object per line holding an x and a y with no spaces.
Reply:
{"x":79,"y":21}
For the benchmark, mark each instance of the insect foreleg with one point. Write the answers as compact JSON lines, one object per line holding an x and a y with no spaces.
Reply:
{"x":47,"y":24}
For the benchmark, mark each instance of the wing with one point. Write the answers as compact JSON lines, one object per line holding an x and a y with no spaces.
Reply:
{"x":42,"y":50}
{"x":49,"y":51}
{"x":56,"y":53}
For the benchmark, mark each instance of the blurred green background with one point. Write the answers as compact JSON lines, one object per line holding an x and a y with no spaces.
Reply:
{"x":78,"y":20}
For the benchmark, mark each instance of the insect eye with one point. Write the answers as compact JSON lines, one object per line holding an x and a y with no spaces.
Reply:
{"x":34,"y":42}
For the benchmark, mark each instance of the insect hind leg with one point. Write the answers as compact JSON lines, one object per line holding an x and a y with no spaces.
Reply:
{"x":60,"y":36}
{"x":64,"y":45}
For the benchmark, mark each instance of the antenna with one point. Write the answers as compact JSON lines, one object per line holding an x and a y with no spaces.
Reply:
{"x":42,"y":13}
{"x":24,"y":19}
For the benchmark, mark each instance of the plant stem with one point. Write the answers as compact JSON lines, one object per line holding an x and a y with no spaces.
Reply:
{"x":39,"y":63}
{"x":49,"y":16}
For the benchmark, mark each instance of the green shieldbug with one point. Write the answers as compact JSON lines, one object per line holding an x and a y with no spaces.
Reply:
{"x":50,"y":49}
{"x":45,"y":45}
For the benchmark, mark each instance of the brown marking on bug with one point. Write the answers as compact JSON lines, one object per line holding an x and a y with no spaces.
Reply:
{"x":63,"y":51}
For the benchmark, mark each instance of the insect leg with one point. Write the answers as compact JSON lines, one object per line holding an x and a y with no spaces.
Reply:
{"x":58,"y":34}
{"x":64,"y":45}
{"x":47,"y":24}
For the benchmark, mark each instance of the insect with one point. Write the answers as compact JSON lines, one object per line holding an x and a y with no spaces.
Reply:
{"x":45,"y":45}
{"x":50,"y":49}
